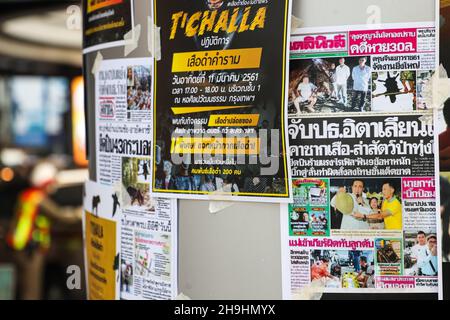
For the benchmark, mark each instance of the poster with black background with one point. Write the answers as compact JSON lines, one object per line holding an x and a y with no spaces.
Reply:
{"x":219,"y":115}
{"x":106,"y":22}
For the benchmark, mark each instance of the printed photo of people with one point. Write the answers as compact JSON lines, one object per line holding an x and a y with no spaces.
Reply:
{"x":329,"y":85}
{"x":343,"y":268}
{"x":423,"y":78}
{"x":366,"y":204}
{"x":139,"y":86}
{"x":143,"y":171}
{"x":394,"y":91}
{"x":420,"y":257}
{"x":135,"y":187}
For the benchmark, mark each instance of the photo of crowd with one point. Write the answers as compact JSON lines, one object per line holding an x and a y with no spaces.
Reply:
{"x":421,"y":258}
{"x":365,"y":204}
{"x":330,"y":85}
{"x":394,"y":91}
{"x":139,"y":86}
{"x":343,"y":268}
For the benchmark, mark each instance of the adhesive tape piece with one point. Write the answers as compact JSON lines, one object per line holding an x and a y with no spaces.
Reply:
{"x":157,"y":40}
{"x":97,"y":63}
{"x":182,"y":296}
{"x":218,"y":201}
{"x":217,"y":206}
{"x":296,"y":23}
{"x":131,"y":39}
{"x":437,"y":89}
{"x":426,"y":119}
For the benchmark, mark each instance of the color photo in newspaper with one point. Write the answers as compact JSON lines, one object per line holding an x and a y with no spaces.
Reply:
{"x":362,"y":160}
{"x":347,"y":69}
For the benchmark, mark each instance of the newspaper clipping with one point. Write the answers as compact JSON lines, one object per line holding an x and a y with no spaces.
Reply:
{"x":364,"y":215}
{"x":106,"y":22}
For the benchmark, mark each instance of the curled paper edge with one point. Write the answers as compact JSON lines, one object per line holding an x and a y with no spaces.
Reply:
{"x":182,"y":296}
{"x":131,"y":40}
{"x":97,"y":63}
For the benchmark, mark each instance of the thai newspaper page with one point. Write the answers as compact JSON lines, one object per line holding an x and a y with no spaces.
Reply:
{"x":124,"y":100}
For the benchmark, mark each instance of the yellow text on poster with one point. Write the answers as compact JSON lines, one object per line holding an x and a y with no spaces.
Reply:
{"x":100,"y":252}
{"x":249,"y":58}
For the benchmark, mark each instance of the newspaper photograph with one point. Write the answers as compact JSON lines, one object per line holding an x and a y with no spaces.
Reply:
{"x":149,"y":253}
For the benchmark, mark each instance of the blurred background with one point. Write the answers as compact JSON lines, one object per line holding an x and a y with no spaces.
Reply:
{"x":42,"y":148}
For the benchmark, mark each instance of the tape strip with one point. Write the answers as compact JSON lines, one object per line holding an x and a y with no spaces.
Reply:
{"x":97,"y":63}
{"x":182,"y":296}
{"x":296,"y":23}
{"x":131,"y":40}
{"x":313,"y":291}
{"x":154,"y":39}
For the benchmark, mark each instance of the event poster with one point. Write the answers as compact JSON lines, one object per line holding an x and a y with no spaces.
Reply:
{"x":363,"y":162}
{"x":219,"y":126}
{"x":106,"y":22}
{"x":101,"y":226}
